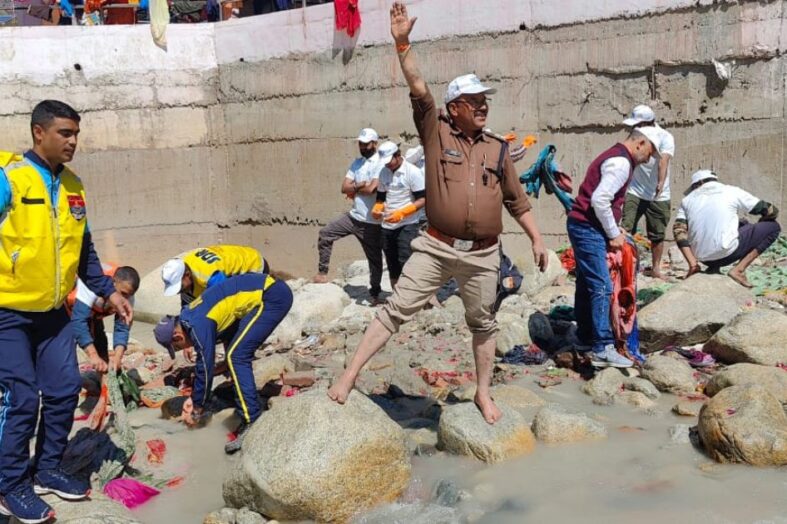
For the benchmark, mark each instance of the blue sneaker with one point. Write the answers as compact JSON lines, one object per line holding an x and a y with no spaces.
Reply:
{"x":25,"y":505}
{"x":61,"y":484}
{"x":609,"y":358}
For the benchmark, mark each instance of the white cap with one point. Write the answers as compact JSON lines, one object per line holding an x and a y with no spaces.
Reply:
{"x":414,"y":154}
{"x":466,"y":85}
{"x":172,"y":274}
{"x":639,"y":114}
{"x":367,"y":135}
{"x":386,"y":151}
{"x":654,"y":135}
{"x":703,"y":174}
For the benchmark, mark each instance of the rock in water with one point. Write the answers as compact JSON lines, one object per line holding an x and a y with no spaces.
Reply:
{"x":463,"y":431}
{"x":756,"y":336}
{"x":669,"y":374}
{"x":313,"y":459}
{"x":745,"y":424}
{"x":681,"y":316}
{"x":773,"y":379}
{"x":554,"y":425}
{"x":604,"y":386}
{"x":516,"y":396}
{"x":96,"y":510}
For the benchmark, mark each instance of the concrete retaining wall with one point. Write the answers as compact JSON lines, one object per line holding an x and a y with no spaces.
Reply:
{"x":242,"y":131}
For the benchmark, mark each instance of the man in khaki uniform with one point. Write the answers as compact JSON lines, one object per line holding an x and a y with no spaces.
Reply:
{"x":469,"y":178}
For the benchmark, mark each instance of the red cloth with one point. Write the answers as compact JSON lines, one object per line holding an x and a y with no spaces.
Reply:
{"x":348,"y":17}
{"x":623,"y":307}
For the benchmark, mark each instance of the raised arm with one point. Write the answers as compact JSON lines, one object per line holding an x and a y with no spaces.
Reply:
{"x":401,"y":25}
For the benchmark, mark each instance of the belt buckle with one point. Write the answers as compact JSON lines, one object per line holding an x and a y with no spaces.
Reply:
{"x":463,"y":245}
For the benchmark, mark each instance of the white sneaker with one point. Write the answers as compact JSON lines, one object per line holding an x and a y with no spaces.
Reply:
{"x":610,"y":358}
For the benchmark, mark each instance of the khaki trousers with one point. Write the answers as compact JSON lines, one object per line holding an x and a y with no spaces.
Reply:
{"x":431,"y":265}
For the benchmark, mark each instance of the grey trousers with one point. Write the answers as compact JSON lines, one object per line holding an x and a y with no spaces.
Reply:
{"x":370,"y":237}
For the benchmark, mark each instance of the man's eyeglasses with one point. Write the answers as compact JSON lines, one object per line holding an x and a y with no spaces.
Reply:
{"x":474,"y":103}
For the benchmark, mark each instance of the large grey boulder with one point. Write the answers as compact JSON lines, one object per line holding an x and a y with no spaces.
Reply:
{"x":773,"y":379}
{"x":745,"y":424}
{"x":313,"y":306}
{"x":669,"y":374}
{"x":758,"y":336}
{"x":313,"y":459}
{"x":691,"y":311}
{"x":463,"y":431}
{"x":555,"y":425}
{"x":150,"y":304}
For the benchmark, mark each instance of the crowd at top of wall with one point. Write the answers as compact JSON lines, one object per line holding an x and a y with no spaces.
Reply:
{"x":127,"y":12}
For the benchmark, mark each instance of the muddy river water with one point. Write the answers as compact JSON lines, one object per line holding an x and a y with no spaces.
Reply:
{"x":635,"y":475}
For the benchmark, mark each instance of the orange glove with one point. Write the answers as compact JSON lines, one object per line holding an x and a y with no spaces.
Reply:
{"x":377,"y":210}
{"x":510,"y":137}
{"x":398,"y":215}
{"x":529,"y":141}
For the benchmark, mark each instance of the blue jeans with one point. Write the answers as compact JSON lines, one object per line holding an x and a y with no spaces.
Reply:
{"x":594,"y":286}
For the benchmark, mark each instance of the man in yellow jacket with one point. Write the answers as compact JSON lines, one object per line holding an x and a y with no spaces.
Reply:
{"x":205,"y":267}
{"x":45,"y":244}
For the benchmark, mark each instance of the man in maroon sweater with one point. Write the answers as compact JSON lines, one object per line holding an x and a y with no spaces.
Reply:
{"x":592,"y":229}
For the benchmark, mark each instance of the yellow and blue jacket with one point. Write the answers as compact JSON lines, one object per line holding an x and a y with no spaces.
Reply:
{"x":214,"y":264}
{"x":215,"y":312}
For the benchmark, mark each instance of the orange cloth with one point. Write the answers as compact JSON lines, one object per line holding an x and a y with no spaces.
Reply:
{"x":623,"y":307}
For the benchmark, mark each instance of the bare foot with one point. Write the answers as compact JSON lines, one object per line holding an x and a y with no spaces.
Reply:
{"x":740,"y":278}
{"x":488,"y":408}
{"x":320,"y":278}
{"x":340,"y":390}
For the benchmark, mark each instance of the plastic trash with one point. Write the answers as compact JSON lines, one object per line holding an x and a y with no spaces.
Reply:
{"x":129,"y":492}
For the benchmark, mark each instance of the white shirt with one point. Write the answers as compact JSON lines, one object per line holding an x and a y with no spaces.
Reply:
{"x":711,"y":211}
{"x":364,"y":170}
{"x":646,"y":176}
{"x":399,"y":187}
{"x":614,"y":175}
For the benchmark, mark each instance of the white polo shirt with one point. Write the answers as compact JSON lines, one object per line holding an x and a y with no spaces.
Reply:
{"x":364,"y":170}
{"x":711,"y":212}
{"x":399,"y":187}
{"x":646,"y":176}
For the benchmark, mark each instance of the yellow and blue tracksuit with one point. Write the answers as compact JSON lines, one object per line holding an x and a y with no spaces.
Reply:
{"x":251,"y":306}
{"x":44,"y":244}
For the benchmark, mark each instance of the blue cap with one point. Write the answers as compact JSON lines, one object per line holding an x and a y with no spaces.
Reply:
{"x":164,"y":331}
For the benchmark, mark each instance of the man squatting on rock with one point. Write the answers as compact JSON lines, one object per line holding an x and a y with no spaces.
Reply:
{"x":707,"y":227}
{"x":463,"y":207}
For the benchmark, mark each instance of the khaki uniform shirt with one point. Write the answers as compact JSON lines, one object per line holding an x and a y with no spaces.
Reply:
{"x":464,"y":197}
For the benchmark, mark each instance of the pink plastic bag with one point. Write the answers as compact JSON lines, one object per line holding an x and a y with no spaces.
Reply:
{"x":131,"y":493}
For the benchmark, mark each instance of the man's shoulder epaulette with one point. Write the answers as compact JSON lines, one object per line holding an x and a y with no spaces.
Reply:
{"x":488,"y":132}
